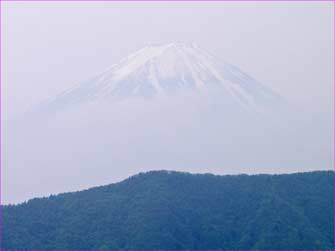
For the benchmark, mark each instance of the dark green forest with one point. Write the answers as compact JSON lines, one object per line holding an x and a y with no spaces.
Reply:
{"x":174,"y":211}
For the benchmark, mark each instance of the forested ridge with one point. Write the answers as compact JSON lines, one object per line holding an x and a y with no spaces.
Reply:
{"x":174,"y":211}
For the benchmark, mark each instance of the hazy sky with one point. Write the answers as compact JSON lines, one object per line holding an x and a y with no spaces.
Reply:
{"x":50,"y":46}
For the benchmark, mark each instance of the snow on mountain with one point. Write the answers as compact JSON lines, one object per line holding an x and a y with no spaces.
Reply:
{"x":168,"y":69}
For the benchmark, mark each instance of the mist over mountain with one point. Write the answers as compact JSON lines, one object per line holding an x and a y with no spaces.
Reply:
{"x":165,"y":210}
{"x":172,"y":106}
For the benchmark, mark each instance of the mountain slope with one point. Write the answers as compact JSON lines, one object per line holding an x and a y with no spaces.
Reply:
{"x":173,"y":211}
{"x":168,"y":69}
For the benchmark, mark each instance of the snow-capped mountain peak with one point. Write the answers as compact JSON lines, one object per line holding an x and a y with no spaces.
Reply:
{"x":172,"y":61}
{"x":166,"y":69}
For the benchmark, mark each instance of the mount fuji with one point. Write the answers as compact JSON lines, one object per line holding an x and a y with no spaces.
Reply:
{"x":166,"y":70}
{"x":172,"y":106}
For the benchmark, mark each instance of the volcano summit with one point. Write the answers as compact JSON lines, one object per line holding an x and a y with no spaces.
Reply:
{"x":168,"y":69}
